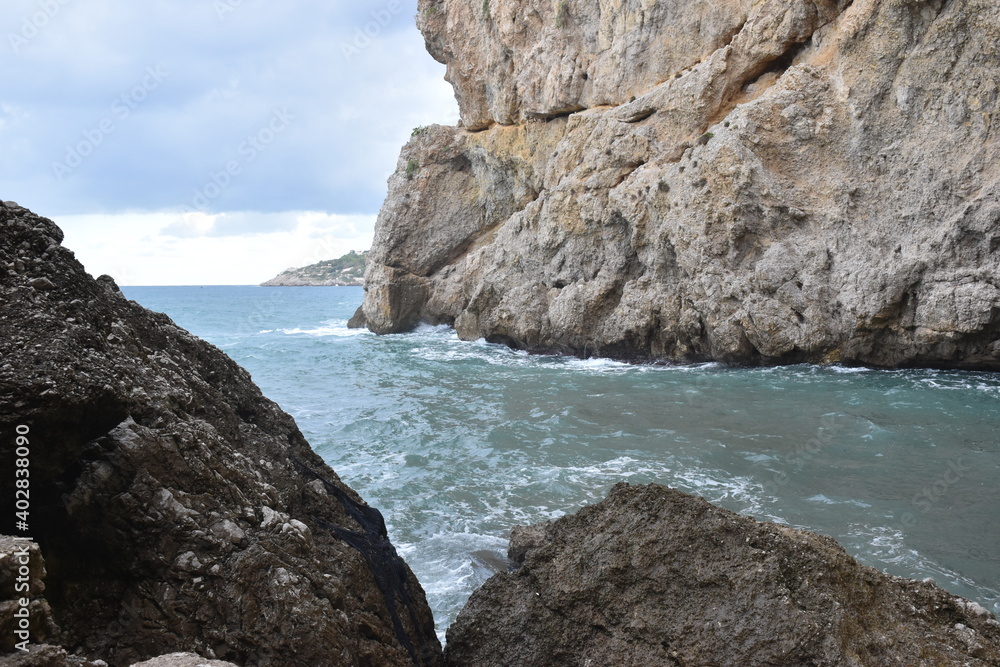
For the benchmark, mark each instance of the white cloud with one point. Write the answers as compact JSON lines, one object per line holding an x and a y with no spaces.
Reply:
{"x":145,"y":248}
{"x":82,"y":84}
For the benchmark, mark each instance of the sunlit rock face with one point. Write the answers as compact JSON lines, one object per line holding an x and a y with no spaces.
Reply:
{"x":752,"y":182}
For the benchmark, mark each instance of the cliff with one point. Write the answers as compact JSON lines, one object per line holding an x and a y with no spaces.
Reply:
{"x":752,"y":182}
{"x":346,"y":271}
{"x":177,"y":508}
{"x":652,"y":576}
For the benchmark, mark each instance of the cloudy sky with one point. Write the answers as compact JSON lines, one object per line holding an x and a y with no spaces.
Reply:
{"x":210,"y":141}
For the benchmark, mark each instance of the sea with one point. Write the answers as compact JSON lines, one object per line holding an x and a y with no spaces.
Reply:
{"x":457,"y":441}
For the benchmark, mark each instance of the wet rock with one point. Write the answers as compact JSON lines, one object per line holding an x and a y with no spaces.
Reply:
{"x":153,"y":457}
{"x":653,"y":576}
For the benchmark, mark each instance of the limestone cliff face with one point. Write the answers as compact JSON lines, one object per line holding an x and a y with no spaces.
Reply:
{"x":176,"y":507}
{"x":753,"y":182}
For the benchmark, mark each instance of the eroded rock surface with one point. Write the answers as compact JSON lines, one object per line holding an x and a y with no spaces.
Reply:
{"x":182,"y":660}
{"x":752,"y":182}
{"x":653,"y":576}
{"x":22,"y":579}
{"x":176,"y":507}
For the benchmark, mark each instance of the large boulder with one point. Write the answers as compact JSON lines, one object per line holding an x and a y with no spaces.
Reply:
{"x":752,"y":182}
{"x":653,"y":576}
{"x":177,"y":508}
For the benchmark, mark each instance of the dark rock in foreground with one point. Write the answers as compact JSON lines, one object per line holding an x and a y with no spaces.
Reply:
{"x":176,"y":507}
{"x":24,"y":629}
{"x":652,"y":576}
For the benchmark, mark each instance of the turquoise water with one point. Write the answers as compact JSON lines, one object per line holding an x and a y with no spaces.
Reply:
{"x":458,"y":441}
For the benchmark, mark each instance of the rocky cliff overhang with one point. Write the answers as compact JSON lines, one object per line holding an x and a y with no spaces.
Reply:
{"x":752,"y":182}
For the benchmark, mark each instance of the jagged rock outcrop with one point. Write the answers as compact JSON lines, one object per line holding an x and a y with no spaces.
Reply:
{"x":177,"y":508}
{"x":753,"y":182}
{"x":653,"y":576}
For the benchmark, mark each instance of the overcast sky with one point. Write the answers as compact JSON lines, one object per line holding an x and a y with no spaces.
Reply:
{"x":210,"y":141}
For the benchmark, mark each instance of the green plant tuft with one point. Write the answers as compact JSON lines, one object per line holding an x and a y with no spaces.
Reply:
{"x":562,"y":13}
{"x":486,"y":9}
{"x":417,"y":131}
{"x":412,"y":167}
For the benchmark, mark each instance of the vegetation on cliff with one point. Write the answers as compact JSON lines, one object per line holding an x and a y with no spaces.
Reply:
{"x":345,"y":271}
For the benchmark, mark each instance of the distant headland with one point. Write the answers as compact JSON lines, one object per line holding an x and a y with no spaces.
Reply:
{"x":346,"y":271}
